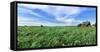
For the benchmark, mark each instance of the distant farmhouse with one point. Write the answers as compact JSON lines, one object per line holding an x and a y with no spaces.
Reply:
{"x":84,"y":24}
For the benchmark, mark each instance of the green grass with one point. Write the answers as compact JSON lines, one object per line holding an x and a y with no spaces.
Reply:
{"x":37,"y":37}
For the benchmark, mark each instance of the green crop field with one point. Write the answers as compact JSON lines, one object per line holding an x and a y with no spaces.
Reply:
{"x":37,"y":37}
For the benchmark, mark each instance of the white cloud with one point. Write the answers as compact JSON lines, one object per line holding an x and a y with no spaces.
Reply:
{"x":33,"y":22}
{"x":57,"y":11}
{"x":24,"y":10}
{"x":67,"y":10}
{"x":24,"y":21}
{"x":33,"y":6}
{"x":70,"y":14}
{"x":28,"y":22}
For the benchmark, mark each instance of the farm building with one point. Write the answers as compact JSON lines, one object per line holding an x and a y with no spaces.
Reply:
{"x":84,"y":24}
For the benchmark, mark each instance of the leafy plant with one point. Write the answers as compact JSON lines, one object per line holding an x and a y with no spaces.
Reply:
{"x":37,"y":37}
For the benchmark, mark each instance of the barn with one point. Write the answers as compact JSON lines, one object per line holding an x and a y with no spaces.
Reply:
{"x":84,"y":24}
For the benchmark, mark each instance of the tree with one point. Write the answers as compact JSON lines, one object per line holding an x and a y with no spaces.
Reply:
{"x":79,"y":25}
{"x":41,"y":25}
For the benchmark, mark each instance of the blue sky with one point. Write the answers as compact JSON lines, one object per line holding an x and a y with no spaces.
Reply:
{"x":50,"y":15}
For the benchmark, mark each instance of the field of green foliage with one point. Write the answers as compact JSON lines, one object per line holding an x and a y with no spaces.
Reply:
{"x":38,"y":37}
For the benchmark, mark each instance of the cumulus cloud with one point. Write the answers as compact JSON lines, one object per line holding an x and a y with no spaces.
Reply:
{"x":48,"y":15}
{"x":65,"y":14}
